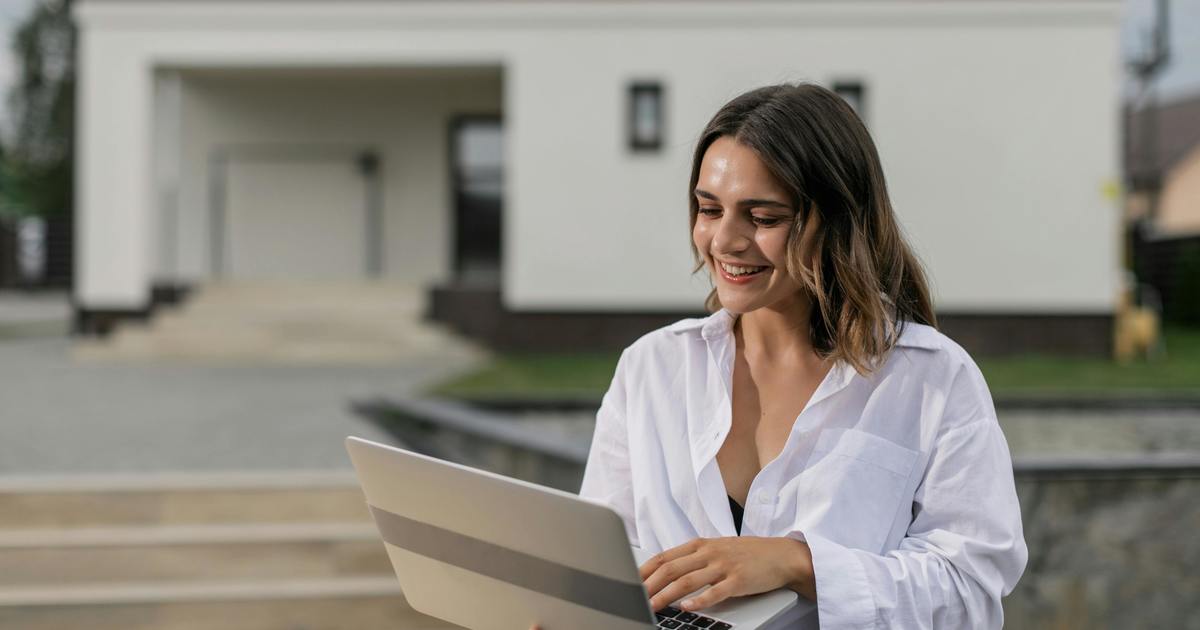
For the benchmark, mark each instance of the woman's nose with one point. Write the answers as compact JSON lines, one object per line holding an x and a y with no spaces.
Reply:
{"x":730,"y":236}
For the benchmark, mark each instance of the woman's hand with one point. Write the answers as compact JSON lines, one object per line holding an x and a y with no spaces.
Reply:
{"x":734,"y":567}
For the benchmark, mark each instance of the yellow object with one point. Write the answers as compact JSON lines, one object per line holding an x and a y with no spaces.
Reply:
{"x":1111,"y":189}
{"x":1136,"y":330}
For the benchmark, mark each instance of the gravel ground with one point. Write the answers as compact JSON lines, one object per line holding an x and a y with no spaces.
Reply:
{"x":62,"y":417}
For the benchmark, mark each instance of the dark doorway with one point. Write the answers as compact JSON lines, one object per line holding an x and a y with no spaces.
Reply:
{"x":477,"y":178}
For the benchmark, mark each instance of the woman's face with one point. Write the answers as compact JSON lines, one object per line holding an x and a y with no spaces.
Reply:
{"x":742,"y":228}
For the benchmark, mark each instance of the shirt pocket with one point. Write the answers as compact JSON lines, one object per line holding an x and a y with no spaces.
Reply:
{"x":853,"y":485}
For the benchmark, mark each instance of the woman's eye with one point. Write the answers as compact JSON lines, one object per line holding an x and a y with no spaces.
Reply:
{"x":709,"y":212}
{"x":765,"y":221}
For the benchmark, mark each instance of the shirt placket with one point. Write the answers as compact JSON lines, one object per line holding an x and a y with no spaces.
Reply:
{"x":763,"y":498}
{"x":706,"y":442}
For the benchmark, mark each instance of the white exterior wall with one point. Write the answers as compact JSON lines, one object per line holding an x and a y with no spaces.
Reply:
{"x":996,"y":121}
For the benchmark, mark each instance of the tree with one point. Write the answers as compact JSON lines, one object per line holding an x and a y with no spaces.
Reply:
{"x":37,"y":163}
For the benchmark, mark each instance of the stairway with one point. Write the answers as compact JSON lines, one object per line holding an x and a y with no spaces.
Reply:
{"x":291,"y":323}
{"x":287,"y":551}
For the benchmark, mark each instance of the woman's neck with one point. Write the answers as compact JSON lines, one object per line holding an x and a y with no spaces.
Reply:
{"x":777,"y":333}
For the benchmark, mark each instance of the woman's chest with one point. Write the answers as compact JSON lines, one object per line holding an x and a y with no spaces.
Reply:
{"x":763,"y":412}
{"x":830,"y":472}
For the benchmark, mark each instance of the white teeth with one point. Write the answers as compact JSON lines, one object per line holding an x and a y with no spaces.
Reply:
{"x":738,"y":271}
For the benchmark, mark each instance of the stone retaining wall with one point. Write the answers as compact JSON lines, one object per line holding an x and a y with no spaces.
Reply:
{"x":1112,"y":525}
{"x":1109,"y":551}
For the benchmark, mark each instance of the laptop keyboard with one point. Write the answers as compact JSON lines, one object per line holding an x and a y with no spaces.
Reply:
{"x":675,"y":619}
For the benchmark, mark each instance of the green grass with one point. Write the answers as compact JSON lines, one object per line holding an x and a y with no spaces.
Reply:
{"x":586,"y":374}
{"x":549,"y":376}
{"x":1177,"y":372}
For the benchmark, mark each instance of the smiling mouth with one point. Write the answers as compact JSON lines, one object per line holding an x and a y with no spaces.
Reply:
{"x":739,"y":271}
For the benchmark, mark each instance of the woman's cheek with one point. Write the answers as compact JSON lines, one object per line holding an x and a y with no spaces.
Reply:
{"x":700,"y":238}
{"x":771,"y":246}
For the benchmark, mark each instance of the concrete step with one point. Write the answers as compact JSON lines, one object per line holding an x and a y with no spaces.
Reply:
{"x":330,"y":604}
{"x":60,"y":557}
{"x":280,"y":291}
{"x":253,"y":551}
{"x":301,"y":330}
{"x":315,"y":303}
{"x":252,"y":348}
{"x":180,"y":499}
{"x":288,"y":323}
{"x":314,"y":300}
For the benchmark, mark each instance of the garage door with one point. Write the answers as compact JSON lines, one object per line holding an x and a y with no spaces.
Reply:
{"x":301,"y":219}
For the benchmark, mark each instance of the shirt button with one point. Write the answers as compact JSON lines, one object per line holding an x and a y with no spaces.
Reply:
{"x":763,"y":497}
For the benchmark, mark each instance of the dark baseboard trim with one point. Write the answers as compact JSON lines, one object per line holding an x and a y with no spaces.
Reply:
{"x":478,"y":312}
{"x":100,"y":322}
{"x":169,"y":294}
{"x":1059,"y":334}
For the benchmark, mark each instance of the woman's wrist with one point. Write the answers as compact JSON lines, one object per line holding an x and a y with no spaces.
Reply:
{"x":802,"y":577}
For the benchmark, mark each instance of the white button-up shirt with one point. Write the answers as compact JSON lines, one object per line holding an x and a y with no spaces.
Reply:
{"x":900,"y":482}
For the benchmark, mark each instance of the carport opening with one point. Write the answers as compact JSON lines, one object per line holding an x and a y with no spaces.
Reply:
{"x":329,"y":174}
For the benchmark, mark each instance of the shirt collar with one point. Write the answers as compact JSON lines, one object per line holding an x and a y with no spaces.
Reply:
{"x":917,"y":335}
{"x":717,"y":331}
{"x":712,"y":327}
{"x":720,"y":324}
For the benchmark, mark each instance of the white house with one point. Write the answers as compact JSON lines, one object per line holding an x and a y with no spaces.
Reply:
{"x":538,"y":152}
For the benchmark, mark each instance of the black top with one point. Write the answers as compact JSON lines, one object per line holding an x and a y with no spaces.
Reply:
{"x":737,"y":511}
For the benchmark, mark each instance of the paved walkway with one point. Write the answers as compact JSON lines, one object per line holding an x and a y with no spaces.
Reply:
{"x":58,"y":416}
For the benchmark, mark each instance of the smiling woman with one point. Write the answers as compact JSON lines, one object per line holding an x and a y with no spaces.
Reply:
{"x":793,"y":171}
{"x":816,"y":432}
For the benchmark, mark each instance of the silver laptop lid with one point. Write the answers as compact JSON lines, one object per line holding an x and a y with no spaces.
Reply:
{"x":493,"y":553}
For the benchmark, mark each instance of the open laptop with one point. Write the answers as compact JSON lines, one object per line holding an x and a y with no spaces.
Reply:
{"x":490,"y":552}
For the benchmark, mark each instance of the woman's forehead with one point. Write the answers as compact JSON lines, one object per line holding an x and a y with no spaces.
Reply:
{"x":730,"y":167}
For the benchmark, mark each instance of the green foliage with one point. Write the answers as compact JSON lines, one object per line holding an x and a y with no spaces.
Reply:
{"x":36,"y":166}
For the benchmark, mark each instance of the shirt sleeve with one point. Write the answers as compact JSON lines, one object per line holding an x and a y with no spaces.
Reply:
{"x":964,"y":548}
{"x":607,"y":478}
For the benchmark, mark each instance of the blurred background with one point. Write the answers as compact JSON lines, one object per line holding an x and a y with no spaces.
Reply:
{"x":232,"y":233}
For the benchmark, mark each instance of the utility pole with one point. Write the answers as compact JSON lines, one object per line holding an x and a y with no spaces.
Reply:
{"x":1143,"y":162}
{"x":1146,"y":69}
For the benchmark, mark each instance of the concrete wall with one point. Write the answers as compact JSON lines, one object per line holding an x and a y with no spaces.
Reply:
{"x":996,"y":121}
{"x":402,"y":114}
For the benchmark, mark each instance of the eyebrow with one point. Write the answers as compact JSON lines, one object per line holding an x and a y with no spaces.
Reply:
{"x":747,"y":203}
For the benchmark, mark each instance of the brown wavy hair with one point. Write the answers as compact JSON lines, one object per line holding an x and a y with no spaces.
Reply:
{"x":864,"y":279}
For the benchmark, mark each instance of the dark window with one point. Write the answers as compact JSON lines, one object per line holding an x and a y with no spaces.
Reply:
{"x":853,"y":93}
{"x":646,"y":116}
{"x":477,"y":168}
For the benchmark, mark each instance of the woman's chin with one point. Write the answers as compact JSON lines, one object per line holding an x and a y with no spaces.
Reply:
{"x":736,"y":304}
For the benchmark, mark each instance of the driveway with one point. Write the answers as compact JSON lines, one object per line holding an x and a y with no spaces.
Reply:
{"x":58,"y":416}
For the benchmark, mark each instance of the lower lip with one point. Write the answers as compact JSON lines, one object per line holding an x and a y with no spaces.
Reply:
{"x":746,"y":279}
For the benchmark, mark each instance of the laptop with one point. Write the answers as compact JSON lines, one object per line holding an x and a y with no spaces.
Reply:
{"x":489,"y":552}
